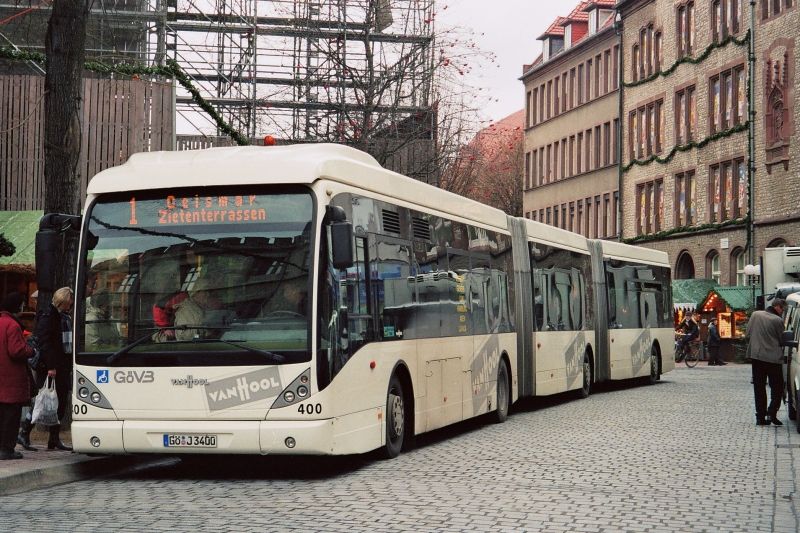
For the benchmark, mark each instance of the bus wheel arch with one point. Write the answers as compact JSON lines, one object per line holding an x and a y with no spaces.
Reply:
{"x":655,"y":363}
{"x":399,"y":412}
{"x":503,"y":394}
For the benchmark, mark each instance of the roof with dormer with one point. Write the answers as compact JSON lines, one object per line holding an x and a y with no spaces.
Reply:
{"x":555,"y":30}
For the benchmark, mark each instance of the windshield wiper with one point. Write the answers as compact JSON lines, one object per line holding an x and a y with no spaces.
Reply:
{"x":127,"y":348}
{"x":278,"y":358}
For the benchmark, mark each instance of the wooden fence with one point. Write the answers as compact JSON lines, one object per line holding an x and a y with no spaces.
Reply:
{"x":119,"y":118}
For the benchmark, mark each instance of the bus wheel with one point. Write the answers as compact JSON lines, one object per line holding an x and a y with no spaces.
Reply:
{"x":653,"y":366}
{"x":503,"y":393}
{"x":586,"y":388}
{"x":395,"y":419}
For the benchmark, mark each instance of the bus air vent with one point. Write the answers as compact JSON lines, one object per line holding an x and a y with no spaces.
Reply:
{"x":422,"y":229}
{"x":792,"y":252}
{"x":391,"y":222}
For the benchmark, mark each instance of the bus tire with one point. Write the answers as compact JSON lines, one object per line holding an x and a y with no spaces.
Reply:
{"x":395,"y":419}
{"x":586,"y":387}
{"x":655,"y":359}
{"x":502,"y":394}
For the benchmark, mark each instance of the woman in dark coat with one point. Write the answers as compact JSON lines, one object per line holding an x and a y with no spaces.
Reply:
{"x":14,"y":381}
{"x":53,"y":329}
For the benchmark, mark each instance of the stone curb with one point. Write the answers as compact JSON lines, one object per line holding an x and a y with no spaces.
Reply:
{"x":96,"y":467}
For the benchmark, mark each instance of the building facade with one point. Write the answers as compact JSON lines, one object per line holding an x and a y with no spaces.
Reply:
{"x":686,"y":123}
{"x":572,"y":124}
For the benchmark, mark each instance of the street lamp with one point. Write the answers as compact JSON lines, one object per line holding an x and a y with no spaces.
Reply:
{"x":753,"y":271}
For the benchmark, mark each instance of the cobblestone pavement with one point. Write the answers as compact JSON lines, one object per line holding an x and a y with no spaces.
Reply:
{"x":682,"y":456}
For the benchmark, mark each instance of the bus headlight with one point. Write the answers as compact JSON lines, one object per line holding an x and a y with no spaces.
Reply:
{"x":90,"y":393}
{"x":296,"y":391}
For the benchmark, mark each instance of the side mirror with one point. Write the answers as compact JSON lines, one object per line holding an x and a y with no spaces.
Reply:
{"x":341,"y":237}
{"x":342,"y":244}
{"x":48,"y":245}
{"x":787,"y":339}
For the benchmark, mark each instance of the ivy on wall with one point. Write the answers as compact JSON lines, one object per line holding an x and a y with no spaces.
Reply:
{"x":170,"y":70}
{"x":686,"y":147}
{"x":736,"y":222}
{"x":694,"y":60}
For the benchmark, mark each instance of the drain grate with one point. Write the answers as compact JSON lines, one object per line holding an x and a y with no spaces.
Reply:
{"x":787,"y":445}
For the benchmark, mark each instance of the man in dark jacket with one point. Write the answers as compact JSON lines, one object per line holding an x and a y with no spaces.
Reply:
{"x":14,"y":382}
{"x":714,"y":342}
{"x":53,"y":329}
{"x":764,"y":350}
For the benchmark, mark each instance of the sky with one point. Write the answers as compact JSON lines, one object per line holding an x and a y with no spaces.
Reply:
{"x":508,"y":29}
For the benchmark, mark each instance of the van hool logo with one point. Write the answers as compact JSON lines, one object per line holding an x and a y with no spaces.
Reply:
{"x":239,"y":390}
{"x":189,"y":381}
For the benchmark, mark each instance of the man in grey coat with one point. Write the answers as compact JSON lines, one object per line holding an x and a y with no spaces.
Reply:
{"x":765,"y":352}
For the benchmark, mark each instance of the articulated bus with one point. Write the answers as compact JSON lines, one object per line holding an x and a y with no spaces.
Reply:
{"x":304,"y":300}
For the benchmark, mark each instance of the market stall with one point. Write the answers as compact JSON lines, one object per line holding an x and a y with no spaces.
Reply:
{"x":731,"y":306}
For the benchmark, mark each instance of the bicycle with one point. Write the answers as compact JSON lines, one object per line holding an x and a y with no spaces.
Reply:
{"x":689,"y":353}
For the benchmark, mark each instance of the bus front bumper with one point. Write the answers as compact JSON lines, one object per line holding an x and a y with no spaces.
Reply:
{"x":312,"y":437}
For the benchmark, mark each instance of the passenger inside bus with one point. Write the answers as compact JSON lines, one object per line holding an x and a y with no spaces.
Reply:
{"x":202,"y":315}
{"x":289,"y":299}
{"x":100,"y":329}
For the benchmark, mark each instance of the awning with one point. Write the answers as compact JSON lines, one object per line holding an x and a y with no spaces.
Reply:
{"x":736,"y":298}
{"x":688,"y":293}
{"x":20,"y":228}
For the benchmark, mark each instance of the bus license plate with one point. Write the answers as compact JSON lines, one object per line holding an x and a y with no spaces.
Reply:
{"x":176,"y":440}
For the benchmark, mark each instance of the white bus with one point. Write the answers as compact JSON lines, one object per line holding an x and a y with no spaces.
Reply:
{"x":304,"y":300}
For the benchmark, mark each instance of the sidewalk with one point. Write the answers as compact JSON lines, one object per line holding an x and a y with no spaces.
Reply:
{"x":46,"y":468}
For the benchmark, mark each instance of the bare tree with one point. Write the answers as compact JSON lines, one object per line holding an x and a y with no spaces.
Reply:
{"x":489,"y":168}
{"x":64,"y":51}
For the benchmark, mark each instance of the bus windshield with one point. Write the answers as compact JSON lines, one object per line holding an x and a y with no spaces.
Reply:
{"x":212,"y":277}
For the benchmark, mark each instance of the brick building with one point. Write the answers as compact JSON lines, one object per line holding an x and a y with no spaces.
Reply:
{"x":693,"y":202}
{"x":571,"y":123}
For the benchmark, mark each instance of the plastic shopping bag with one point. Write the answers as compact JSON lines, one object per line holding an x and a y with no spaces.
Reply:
{"x":45,"y":409}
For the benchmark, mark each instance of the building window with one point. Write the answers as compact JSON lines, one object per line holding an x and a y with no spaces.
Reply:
{"x":773,"y":8}
{"x":737,"y":267}
{"x":579,"y":154}
{"x":615,"y":63}
{"x":685,"y":29}
{"x":588,"y":89}
{"x":685,"y":115}
{"x":572,"y":88}
{"x":726,"y":18}
{"x":650,"y":207}
{"x":685,"y":199}
{"x":712,"y":266}
{"x":646,"y":131}
{"x":727,"y":190}
{"x":635,"y":62}
{"x":579,"y":87}
{"x":727,"y":99}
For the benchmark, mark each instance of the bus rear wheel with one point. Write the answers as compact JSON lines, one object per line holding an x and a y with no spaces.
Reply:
{"x":503,"y":393}
{"x":654,"y":360}
{"x":586,"y":387}
{"x":395,"y":419}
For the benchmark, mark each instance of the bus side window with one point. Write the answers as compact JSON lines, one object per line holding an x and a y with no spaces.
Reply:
{"x":538,"y":298}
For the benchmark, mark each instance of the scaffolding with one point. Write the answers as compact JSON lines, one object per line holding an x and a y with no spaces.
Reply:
{"x":358,"y":72}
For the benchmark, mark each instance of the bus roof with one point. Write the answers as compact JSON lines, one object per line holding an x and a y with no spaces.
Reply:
{"x":545,"y":234}
{"x":626,"y":252}
{"x":300,"y":163}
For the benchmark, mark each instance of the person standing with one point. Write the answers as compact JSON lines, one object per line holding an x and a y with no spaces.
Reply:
{"x":54,"y":331}
{"x":14,"y":381}
{"x":764,"y":350}
{"x":714,"y":342}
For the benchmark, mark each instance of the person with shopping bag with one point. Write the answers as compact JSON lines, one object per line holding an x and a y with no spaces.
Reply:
{"x":14,"y":380}
{"x":54,"y":332}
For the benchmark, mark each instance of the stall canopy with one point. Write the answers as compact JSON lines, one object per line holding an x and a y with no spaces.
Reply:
{"x":733,"y":298}
{"x":688,"y":293}
{"x":20,"y":228}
